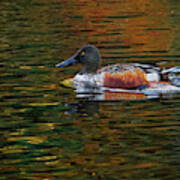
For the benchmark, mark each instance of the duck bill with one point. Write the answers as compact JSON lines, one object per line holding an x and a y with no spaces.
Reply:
{"x":67,"y":62}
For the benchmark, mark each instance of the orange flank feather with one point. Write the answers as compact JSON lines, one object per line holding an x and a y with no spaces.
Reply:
{"x":128,"y":79}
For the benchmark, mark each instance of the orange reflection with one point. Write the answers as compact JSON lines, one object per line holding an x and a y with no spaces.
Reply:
{"x":124,"y":96}
{"x":143,"y":25}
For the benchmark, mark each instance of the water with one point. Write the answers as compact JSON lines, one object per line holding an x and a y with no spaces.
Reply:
{"x":48,"y":133}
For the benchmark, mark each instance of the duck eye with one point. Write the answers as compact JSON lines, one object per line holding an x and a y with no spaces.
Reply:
{"x":82,"y":53}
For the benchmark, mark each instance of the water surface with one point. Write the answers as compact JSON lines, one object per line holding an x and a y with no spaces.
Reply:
{"x":48,"y":133}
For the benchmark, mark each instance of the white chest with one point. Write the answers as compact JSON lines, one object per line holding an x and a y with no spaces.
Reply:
{"x":153,"y":76}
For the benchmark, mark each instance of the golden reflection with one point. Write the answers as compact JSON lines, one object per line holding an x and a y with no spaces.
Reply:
{"x":13,"y":149}
{"x":25,"y":67}
{"x":44,"y":104}
{"x":9,"y":111}
{"x":44,"y":158}
{"x":36,"y":139}
{"x":31,"y":67}
{"x":17,"y":133}
{"x":46,"y":126}
{"x":50,"y":163}
{"x":30,"y":139}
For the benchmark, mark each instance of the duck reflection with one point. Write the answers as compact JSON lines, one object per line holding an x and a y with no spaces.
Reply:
{"x":84,"y":108}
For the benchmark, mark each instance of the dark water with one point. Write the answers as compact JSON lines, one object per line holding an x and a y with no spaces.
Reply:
{"x":45,"y":131}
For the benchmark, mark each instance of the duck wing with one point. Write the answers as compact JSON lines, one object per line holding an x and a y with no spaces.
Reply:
{"x":127,"y":76}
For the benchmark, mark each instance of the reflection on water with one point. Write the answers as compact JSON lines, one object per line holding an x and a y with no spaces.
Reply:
{"x":48,"y":133}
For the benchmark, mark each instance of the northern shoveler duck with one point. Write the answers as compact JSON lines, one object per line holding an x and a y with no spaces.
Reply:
{"x":125,"y":76}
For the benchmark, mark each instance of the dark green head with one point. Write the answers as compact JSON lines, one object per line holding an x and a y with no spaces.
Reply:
{"x":88,"y":56}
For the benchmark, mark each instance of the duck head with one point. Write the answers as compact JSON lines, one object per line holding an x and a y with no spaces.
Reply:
{"x":88,"y":56}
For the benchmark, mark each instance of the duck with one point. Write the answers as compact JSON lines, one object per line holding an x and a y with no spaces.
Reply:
{"x":122,"y":75}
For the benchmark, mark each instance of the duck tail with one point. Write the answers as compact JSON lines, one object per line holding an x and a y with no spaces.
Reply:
{"x":175,"y":69}
{"x":172,"y":75}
